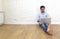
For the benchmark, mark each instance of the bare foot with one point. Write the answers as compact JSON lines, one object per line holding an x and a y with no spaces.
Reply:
{"x":49,"y":31}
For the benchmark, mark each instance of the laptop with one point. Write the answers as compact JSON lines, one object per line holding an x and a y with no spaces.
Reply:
{"x":45,"y":20}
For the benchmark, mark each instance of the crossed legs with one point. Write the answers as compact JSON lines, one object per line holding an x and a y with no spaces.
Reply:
{"x":47,"y":28}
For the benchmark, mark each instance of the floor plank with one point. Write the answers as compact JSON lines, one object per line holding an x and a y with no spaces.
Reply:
{"x":27,"y":32}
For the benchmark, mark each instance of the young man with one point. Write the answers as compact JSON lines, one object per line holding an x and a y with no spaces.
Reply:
{"x":45,"y":26}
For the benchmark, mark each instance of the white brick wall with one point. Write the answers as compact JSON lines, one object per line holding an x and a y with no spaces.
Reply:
{"x":25,"y":11}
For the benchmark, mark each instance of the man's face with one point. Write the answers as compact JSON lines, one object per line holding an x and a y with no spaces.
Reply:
{"x":42,"y":10}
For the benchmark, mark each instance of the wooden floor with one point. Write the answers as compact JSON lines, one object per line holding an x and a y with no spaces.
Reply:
{"x":27,"y":32}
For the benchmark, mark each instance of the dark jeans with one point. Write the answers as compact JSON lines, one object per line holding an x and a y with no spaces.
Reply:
{"x":44,"y":26}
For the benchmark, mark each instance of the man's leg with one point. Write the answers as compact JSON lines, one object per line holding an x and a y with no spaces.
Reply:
{"x":47,"y":28}
{"x":50,"y":30}
{"x":44,"y":27}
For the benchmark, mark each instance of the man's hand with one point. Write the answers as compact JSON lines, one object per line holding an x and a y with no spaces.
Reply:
{"x":38,"y":21}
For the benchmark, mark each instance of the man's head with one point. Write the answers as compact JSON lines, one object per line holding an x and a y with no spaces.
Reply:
{"x":42,"y":8}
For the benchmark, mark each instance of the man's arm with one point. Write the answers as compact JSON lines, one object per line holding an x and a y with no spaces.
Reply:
{"x":38,"y":18}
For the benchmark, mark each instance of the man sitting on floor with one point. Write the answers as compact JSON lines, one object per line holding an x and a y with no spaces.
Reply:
{"x":45,"y":26}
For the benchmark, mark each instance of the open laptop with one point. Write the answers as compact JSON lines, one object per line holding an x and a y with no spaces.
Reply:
{"x":45,"y":20}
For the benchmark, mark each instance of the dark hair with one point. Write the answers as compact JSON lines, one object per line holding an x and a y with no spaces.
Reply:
{"x":42,"y":7}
